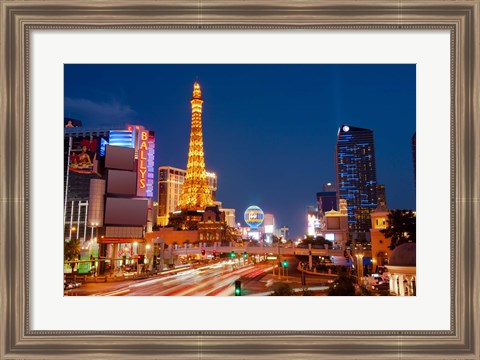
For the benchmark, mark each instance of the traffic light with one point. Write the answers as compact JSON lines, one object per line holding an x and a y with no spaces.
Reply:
{"x":238,"y":288}
{"x":245,"y":254}
{"x":203,"y":252}
{"x":232,"y":254}
{"x":285,"y":263}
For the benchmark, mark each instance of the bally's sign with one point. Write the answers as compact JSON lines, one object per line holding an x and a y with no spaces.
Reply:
{"x":142,"y":165}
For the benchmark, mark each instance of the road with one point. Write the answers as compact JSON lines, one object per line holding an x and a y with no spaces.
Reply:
{"x":210,"y":280}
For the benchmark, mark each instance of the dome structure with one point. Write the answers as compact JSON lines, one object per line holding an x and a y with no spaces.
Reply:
{"x":404,"y":255}
{"x":402,"y":270}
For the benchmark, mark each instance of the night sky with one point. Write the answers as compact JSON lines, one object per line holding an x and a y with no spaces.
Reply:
{"x":269,"y":130}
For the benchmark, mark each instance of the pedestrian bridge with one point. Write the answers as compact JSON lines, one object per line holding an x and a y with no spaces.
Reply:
{"x":218,"y":248}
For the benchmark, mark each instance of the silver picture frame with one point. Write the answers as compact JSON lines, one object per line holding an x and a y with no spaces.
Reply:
{"x":19,"y":18}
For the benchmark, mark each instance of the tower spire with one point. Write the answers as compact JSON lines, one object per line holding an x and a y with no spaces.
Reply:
{"x":196,"y":192}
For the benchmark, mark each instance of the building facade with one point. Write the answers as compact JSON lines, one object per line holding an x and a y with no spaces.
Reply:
{"x":170,"y":184}
{"x":121,"y":204}
{"x":97,"y":185}
{"x":81,"y":151}
{"x":212,"y":226}
{"x":380,"y":244}
{"x":284,"y":233}
{"x":356,"y":175}
{"x":335,"y":225}
{"x":381,"y":194}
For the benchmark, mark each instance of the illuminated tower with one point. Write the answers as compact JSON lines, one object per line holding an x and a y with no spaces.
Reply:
{"x":356,"y":175}
{"x":196,"y":193}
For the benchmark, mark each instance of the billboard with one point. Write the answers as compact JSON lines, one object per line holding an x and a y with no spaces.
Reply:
{"x":121,"y":182}
{"x":120,"y":158}
{"x":128,"y":212}
{"x":83,"y":153}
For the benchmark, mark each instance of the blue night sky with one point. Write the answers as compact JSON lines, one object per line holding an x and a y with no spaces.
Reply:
{"x":269,"y":130}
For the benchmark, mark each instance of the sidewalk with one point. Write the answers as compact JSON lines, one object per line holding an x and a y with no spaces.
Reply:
{"x":84,"y":278}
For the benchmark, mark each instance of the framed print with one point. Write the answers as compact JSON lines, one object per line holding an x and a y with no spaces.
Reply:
{"x":49,"y":46}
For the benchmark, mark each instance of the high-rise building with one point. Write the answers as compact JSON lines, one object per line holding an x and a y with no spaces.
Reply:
{"x":269,"y":224}
{"x":356,"y":175}
{"x":170,"y":185}
{"x":229,"y":213}
{"x":195,"y":193}
{"x":94,"y":185}
{"x":81,"y":150}
{"x":284,"y":233}
{"x":120,"y":203}
{"x":414,"y":156}
{"x":381,"y":194}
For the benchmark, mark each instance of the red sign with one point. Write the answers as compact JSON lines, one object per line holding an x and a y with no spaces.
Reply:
{"x":142,"y":165}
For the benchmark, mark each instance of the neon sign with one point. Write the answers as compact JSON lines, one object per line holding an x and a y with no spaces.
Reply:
{"x":142,"y":164}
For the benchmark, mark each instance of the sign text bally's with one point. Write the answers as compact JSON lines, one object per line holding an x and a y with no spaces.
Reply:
{"x":142,"y":165}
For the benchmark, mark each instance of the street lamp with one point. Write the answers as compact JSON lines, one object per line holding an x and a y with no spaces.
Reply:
{"x":359,"y":257}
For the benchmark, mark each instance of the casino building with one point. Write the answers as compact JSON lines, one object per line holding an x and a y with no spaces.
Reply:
{"x":170,"y":185}
{"x":356,"y":175}
{"x":108,"y":178}
{"x":81,"y":150}
{"x":121,"y":202}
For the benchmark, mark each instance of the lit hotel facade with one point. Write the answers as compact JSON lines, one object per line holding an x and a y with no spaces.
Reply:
{"x":356,"y":175}
{"x":104,"y":171}
{"x":170,"y":185}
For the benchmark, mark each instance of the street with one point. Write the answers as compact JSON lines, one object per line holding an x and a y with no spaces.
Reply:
{"x":216,"y":279}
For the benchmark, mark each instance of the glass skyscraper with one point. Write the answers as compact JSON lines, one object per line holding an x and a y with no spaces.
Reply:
{"x":356,"y":175}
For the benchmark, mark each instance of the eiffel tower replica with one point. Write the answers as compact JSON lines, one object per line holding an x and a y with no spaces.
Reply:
{"x":195,"y":196}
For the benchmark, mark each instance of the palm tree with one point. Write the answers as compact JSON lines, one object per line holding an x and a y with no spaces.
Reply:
{"x":401,"y":227}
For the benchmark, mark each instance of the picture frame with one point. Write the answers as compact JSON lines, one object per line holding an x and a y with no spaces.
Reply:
{"x":18,"y":341}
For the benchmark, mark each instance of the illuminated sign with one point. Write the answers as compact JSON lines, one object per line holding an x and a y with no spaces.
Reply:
{"x":254,"y":235}
{"x":311,"y":219}
{"x":142,"y":164}
{"x":330,"y":237}
{"x":253,"y":216}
